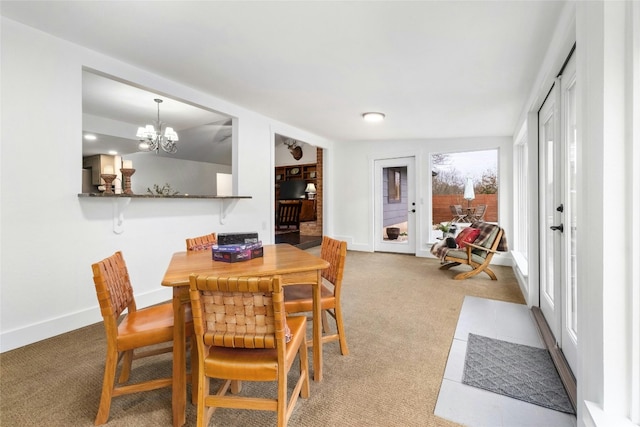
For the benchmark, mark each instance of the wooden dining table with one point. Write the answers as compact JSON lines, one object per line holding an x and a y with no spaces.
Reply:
{"x":294,"y":265}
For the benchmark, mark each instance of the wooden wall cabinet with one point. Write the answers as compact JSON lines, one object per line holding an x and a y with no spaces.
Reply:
{"x":306,"y":172}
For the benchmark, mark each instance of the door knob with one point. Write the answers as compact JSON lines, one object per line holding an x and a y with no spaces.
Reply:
{"x":557,"y":228}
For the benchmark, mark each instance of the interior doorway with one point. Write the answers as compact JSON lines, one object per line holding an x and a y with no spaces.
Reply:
{"x":299,"y":191}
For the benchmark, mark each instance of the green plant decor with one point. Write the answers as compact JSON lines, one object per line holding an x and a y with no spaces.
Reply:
{"x":443,"y":227}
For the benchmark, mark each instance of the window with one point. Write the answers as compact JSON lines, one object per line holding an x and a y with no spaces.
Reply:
{"x":451,"y":172}
{"x":521,"y":200}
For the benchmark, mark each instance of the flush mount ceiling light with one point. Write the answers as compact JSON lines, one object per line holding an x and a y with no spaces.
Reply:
{"x":373,"y":117}
{"x":90,"y":137}
{"x":154,"y":137}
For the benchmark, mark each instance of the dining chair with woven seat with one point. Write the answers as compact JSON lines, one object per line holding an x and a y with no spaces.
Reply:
{"x":201,"y":242}
{"x":148,"y":329}
{"x":298,"y":298}
{"x":243,"y":334}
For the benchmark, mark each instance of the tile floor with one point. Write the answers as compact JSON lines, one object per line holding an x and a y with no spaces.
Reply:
{"x":474,"y":407}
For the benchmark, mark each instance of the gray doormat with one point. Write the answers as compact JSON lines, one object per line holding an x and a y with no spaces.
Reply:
{"x":515,"y":370}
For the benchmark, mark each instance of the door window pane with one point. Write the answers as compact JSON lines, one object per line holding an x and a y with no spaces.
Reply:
{"x":394,"y":204}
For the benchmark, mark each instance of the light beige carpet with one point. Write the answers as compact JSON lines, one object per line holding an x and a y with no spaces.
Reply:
{"x":400,"y":315}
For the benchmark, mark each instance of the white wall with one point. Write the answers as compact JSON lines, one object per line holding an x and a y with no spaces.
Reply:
{"x":608,"y":70}
{"x":184,"y":176}
{"x":50,"y":236}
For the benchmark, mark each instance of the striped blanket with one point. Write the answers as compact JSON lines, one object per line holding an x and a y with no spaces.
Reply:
{"x":440,"y":248}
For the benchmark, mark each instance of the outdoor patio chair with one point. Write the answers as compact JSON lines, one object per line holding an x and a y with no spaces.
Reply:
{"x":477,"y":254}
{"x":478,"y":214}
{"x":458,"y":213}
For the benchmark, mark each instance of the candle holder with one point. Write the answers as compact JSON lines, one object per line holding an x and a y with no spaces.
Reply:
{"x":108,"y":180}
{"x":126,"y":179}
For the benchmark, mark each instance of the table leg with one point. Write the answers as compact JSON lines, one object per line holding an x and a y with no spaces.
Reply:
{"x":179,"y":388}
{"x":317,"y":329}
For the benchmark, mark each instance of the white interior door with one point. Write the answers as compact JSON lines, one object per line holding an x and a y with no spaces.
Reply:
{"x":394,"y":205}
{"x":558,"y":192}
{"x":550,"y":201}
{"x":569,"y":318}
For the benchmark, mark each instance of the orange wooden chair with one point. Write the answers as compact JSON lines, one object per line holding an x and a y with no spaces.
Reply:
{"x":299,"y":298}
{"x":241,"y":335}
{"x":139,"y":328}
{"x":201,"y":242}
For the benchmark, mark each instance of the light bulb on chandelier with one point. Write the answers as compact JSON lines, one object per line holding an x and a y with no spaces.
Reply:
{"x":153,"y":138}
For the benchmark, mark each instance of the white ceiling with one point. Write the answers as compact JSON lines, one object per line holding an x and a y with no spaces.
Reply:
{"x":435,"y":68}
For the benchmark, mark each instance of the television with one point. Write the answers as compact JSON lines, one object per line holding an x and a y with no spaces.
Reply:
{"x":293,"y":189}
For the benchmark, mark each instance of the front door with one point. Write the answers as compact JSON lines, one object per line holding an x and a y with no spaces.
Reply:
{"x":558,"y":192}
{"x":394,"y":205}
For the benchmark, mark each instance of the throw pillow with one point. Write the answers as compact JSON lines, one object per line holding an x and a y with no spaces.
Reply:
{"x":467,"y":235}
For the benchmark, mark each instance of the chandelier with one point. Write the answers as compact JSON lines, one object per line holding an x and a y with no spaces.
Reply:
{"x":152,"y":137}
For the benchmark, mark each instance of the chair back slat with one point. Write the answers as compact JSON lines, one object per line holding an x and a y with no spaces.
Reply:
{"x":238,"y":312}
{"x":113,"y":286}
{"x":288,"y":213}
{"x":201,"y":242}
{"x":479,"y":213}
{"x":335,"y":252}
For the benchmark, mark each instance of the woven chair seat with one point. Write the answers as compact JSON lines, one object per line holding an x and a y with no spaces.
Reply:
{"x":299,"y":298}
{"x":259,"y":364}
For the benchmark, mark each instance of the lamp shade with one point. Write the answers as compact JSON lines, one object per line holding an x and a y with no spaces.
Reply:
{"x":311,"y":188}
{"x":468,"y":190}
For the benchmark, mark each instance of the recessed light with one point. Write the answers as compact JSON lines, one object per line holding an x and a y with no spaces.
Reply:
{"x":90,"y":137}
{"x":373,"y":117}
{"x":112,"y":152}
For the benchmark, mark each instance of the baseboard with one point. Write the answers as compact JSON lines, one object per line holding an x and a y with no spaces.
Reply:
{"x":29,"y":334}
{"x":523,"y":283}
